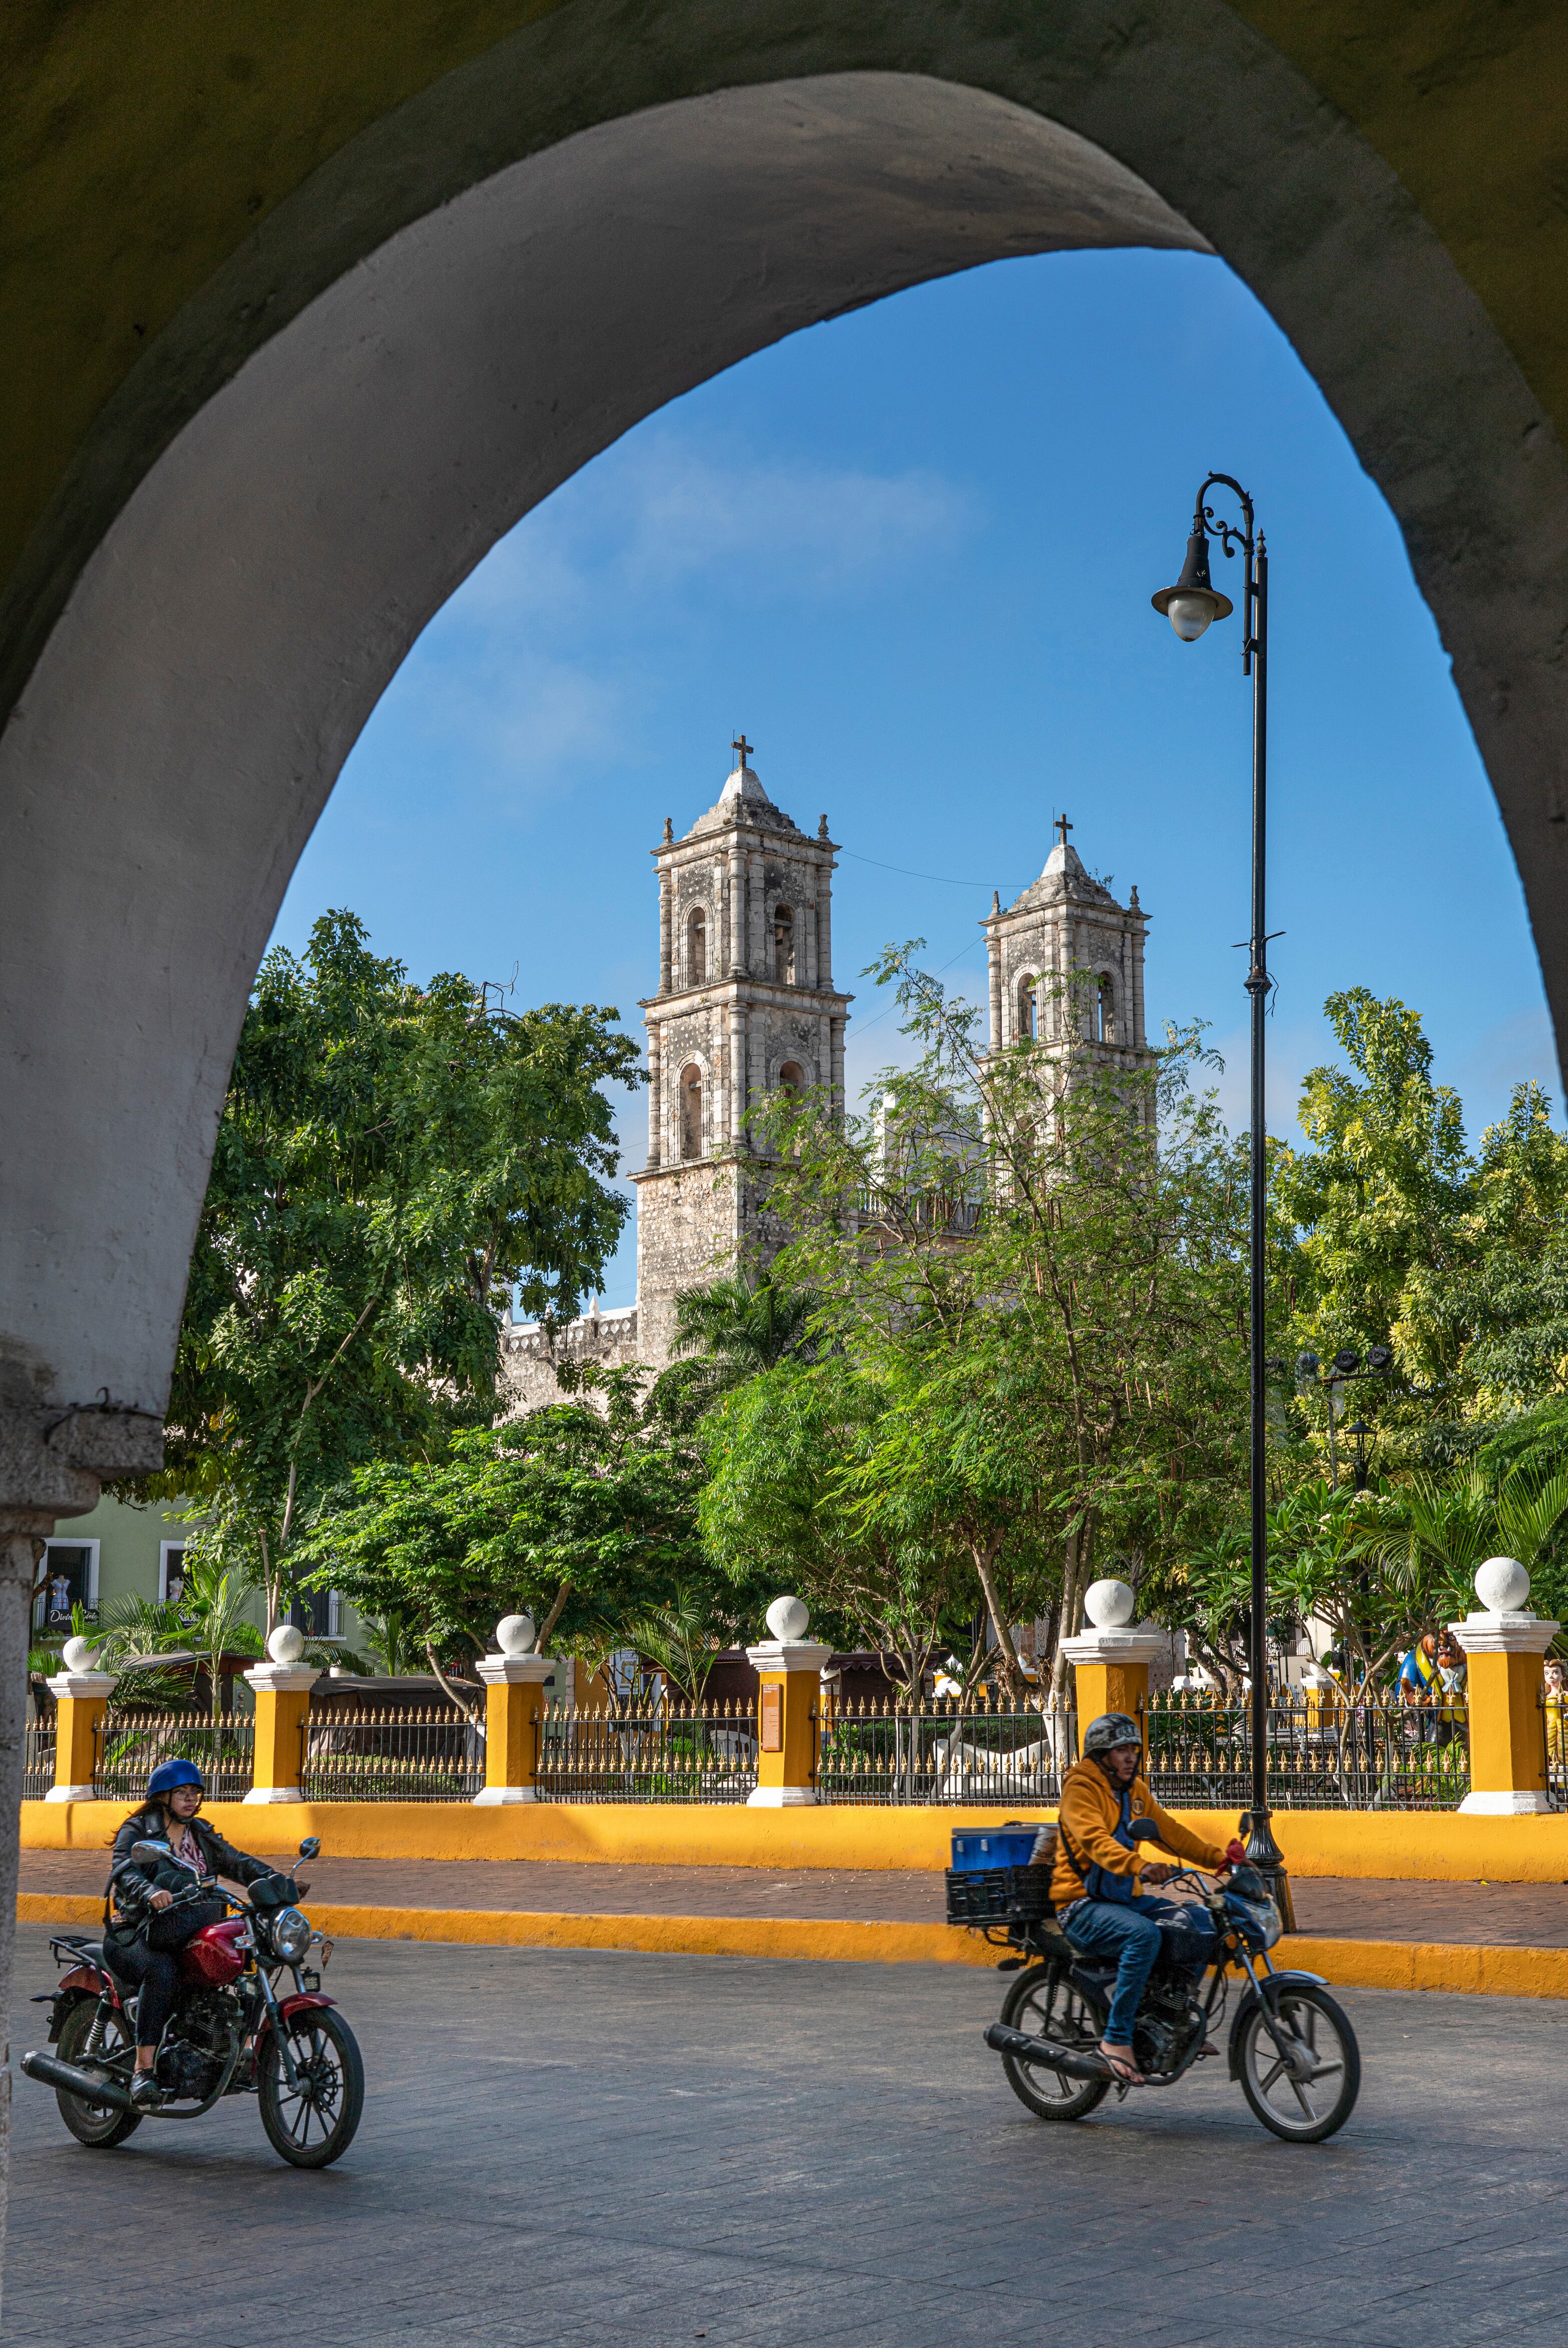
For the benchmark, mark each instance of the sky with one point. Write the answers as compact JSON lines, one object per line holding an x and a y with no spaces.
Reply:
{"x":910,"y":552}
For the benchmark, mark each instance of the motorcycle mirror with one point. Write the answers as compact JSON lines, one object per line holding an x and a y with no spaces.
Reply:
{"x":310,"y":1847}
{"x":1144,"y":1830}
{"x":145,"y":1850}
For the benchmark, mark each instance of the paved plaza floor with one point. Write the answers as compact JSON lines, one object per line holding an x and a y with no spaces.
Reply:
{"x":606,"y":2148}
{"x":1528,"y":1915}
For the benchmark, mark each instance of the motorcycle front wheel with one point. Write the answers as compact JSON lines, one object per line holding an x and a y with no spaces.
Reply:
{"x":99,"y":2124}
{"x":313,"y":2124}
{"x":1045,"y":2003}
{"x":1302,"y":2110}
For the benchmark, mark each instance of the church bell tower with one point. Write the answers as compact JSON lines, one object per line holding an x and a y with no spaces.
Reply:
{"x":1067,"y":965}
{"x":746,"y":1005}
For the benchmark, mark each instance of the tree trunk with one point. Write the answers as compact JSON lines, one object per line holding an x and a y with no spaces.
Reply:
{"x":1069,"y":1618}
{"x":1010,"y":1672}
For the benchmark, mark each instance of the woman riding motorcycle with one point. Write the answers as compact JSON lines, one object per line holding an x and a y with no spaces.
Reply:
{"x":142,"y":1942}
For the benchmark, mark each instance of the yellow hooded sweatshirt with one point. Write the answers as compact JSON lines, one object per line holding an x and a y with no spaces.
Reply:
{"x":1090,"y":1814}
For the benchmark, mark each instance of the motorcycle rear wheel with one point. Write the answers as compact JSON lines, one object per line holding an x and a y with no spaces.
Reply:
{"x":98,"y":2125}
{"x":1302,"y":2111}
{"x":311,"y":2126}
{"x":1045,"y":2003}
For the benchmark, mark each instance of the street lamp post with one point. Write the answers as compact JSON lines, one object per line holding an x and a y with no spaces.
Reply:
{"x":1190,"y":606}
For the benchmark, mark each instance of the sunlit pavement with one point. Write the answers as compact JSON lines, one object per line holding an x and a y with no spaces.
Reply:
{"x":570,"y":2146}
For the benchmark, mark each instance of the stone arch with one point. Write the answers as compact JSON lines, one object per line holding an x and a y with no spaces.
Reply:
{"x":460,"y":307}
{"x":784,"y":944}
{"x":691,"y":1136}
{"x":696,"y":955}
{"x":1104,"y":1024}
{"x":1026,"y":1027}
{"x":791,"y":1077}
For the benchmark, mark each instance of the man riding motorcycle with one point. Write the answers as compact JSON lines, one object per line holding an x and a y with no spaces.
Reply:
{"x":142,"y":1942}
{"x":1102,"y":1882}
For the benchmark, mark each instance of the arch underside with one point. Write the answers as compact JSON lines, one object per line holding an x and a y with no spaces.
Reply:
{"x":238,"y":617}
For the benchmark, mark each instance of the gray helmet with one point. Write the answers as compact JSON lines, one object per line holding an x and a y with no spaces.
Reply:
{"x":1110,"y":1729}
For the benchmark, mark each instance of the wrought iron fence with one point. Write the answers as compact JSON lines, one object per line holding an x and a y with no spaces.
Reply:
{"x":130,"y":1746}
{"x":423,"y":1753}
{"x":38,"y":1763}
{"x":652,"y":1750}
{"x":1555,"y":1722}
{"x":1324,"y":1753}
{"x":947,"y":1752}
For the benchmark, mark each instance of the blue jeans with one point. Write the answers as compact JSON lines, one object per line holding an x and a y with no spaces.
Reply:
{"x":1130,"y":1936}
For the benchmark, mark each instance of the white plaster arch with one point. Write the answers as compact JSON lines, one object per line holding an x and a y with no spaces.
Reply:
{"x":233,"y":621}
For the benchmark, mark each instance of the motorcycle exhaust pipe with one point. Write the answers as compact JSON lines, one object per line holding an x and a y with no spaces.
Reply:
{"x":91,"y":2090}
{"x":1017,"y":2043}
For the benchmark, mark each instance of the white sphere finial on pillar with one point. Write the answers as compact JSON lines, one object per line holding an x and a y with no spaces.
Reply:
{"x":787,"y":1618}
{"x":1502,"y":1585}
{"x":77,"y":1656}
{"x":1108,"y":1605}
{"x":286,"y":1645}
{"x":515,"y":1634}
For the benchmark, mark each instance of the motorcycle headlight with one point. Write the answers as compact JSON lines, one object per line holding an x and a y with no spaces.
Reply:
{"x":290,"y":1934}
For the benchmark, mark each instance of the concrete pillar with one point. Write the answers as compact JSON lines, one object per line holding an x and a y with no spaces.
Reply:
{"x":1110,"y":1661}
{"x":825,"y":927}
{"x":667,"y":943}
{"x":655,"y":1097}
{"x":788,"y":1668}
{"x":514,"y":1702}
{"x":281,"y":1689}
{"x":836,"y":1057}
{"x":994,"y":958}
{"x":738,"y":1086}
{"x":1505,"y":1648}
{"x":807,"y":945}
{"x":758,"y":958}
{"x":81,"y":1695}
{"x":738,"y":910}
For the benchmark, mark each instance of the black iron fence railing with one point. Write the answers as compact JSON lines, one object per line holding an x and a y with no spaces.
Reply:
{"x":649,"y":1751}
{"x":38,"y":1763}
{"x":1325,"y":1752}
{"x":414,"y":1754}
{"x":131,"y":1745}
{"x":946,"y":1752}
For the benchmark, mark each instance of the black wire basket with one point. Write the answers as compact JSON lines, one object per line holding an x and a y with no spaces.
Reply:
{"x":999,"y":1895}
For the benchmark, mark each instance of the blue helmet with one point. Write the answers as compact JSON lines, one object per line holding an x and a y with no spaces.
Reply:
{"x":170,"y":1774}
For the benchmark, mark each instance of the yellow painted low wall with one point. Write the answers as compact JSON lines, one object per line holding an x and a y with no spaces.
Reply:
{"x":1357,"y":1964}
{"x":1423,"y":1846}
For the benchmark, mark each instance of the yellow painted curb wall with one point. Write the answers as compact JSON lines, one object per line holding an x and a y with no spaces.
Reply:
{"x":1490,"y":1972}
{"x":1429,"y":1845}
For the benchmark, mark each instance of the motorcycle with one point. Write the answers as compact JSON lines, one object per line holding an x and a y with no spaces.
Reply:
{"x":230,"y":2033}
{"x":1292,"y":2047}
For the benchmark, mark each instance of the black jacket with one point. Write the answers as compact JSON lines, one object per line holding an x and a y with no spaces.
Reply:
{"x":131,"y":1880}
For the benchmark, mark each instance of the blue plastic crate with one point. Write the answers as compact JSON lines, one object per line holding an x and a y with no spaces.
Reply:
{"x":978,"y":1848}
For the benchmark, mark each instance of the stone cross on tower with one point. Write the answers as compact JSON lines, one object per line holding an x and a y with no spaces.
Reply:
{"x":1061,"y":827}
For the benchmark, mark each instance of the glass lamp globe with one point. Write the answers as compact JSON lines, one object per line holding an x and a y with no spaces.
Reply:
{"x":1190,"y":615}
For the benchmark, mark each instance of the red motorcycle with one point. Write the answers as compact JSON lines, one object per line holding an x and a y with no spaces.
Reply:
{"x":230,"y":2035}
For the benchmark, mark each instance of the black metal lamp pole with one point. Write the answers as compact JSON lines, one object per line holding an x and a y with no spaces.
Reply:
{"x":1190,"y":606}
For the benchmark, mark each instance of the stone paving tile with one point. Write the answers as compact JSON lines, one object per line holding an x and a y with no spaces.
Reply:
{"x":1515,"y":1915}
{"x":562,"y":2145}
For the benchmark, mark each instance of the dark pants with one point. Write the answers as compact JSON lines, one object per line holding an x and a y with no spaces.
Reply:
{"x":151,"y":1962}
{"x":1128,"y":1935}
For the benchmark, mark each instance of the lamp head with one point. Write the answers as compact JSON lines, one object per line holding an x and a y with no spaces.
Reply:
{"x":1194,"y":599}
{"x":1347,"y":1361}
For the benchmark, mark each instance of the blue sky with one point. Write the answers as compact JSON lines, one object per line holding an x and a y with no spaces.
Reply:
{"x":911,"y":553}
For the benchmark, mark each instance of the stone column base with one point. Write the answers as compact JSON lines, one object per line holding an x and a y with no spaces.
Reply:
{"x":782,"y":1797}
{"x":489,"y":1798}
{"x":1505,"y":1805}
{"x":273,"y":1794}
{"x":69,"y":1794}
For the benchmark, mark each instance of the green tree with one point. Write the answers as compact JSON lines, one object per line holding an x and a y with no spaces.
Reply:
{"x":583,"y":1515}
{"x":392,"y":1160}
{"x":731,"y":1329}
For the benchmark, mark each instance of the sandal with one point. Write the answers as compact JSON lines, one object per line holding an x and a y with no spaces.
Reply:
{"x":1122,"y":2067}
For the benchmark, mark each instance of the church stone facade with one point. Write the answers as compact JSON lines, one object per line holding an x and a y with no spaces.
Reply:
{"x":746,"y":1005}
{"x":1067,"y":965}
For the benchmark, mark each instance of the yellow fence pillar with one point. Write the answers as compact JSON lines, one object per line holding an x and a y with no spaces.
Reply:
{"x":283,"y":1689}
{"x":514,"y":1702}
{"x":789,"y":1670}
{"x":81,"y":1697}
{"x":1110,"y":1661}
{"x":1505,"y":1649}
